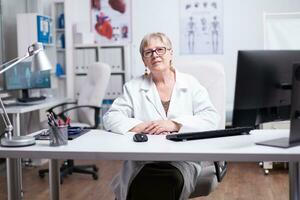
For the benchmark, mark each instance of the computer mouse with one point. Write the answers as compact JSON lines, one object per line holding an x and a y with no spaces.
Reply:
{"x":140,"y":137}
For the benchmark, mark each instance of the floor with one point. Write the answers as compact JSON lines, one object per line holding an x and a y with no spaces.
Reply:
{"x":243,"y":181}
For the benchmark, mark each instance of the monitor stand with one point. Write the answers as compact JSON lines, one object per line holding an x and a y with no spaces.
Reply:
{"x":294,"y":137}
{"x":27,"y":99}
{"x":280,"y":142}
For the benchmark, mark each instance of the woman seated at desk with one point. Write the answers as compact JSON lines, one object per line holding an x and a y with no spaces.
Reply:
{"x":160,"y":102}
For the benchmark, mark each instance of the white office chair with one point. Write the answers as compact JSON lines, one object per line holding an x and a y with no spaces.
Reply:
{"x":210,"y":75}
{"x":88,"y":108}
{"x":90,"y":98}
{"x":92,"y":93}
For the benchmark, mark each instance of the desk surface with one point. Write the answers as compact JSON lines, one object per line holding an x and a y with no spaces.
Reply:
{"x":101,"y":145}
{"x":48,"y":102}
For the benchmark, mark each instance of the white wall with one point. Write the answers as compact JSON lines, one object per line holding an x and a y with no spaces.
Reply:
{"x":9,"y":9}
{"x":243,"y":29}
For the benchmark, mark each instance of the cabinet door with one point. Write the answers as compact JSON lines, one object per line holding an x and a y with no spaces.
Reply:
{"x":115,"y":86}
{"x":83,"y":59}
{"x":114,"y":56}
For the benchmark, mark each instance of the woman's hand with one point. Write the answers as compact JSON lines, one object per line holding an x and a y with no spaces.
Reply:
{"x":161,"y":127}
{"x":156,"y":127}
{"x":140,"y":127}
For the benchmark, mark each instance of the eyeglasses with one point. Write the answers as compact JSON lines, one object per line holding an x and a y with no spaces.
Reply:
{"x":159,"y":51}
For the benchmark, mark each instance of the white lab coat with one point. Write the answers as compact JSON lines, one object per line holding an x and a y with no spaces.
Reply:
{"x":189,"y":106}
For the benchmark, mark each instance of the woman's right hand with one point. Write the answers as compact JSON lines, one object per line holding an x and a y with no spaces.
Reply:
{"x":140,"y":127}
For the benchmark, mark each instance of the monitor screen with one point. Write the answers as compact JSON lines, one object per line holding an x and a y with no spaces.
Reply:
{"x":22,"y":77}
{"x":263,"y":86}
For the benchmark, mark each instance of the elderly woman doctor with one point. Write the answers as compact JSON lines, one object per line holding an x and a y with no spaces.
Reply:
{"x":160,"y":102}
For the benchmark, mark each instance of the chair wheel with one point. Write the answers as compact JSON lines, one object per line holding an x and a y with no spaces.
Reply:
{"x":95,"y":176}
{"x":267,"y":172}
{"x":95,"y":169}
{"x":41,"y":175}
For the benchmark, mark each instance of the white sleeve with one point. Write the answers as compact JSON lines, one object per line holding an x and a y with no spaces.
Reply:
{"x":205,"y":116}
{"x":119,"y":118}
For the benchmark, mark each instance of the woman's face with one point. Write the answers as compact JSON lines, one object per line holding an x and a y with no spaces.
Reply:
{"x":157,"y":56}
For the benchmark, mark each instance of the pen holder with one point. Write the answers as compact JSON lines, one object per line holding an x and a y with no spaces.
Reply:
{"x":58,"y":135}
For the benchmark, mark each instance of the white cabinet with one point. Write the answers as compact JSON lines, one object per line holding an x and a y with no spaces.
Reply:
{"x":112,"y":55}
{"x":59,"y":31}
{"x":58,"y":15}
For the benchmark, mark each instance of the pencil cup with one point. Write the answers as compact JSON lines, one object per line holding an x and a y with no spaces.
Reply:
{"x":58,"y":135}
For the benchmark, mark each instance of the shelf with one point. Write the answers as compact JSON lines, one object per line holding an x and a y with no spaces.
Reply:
{"x":59,"y":77}
{"x":60,"y":30}
{"x":86,"y":45}
{"x":48,"y":45}
{"x":95,"y":46}
{"x":60,"y":49}
{"x":120,"y":72}
{"x":62,"y":77}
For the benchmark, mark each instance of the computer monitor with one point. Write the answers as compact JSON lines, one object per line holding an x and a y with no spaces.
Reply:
{"x":22,"y":77}
{"x":263,"y":86}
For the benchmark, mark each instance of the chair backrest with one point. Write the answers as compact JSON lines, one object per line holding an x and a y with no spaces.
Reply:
{"x":93,"y":90}
{"x":211,"y":75}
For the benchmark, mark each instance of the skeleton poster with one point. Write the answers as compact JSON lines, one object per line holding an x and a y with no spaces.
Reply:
{"x":111,"y":21}
{"x":201,"y":27}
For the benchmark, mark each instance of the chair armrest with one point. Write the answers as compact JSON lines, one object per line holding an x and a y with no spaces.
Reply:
{"x":221,"y":169}
{"x":96,"y":115}
{"x":76,"y":107}
{"x":60,"y":105}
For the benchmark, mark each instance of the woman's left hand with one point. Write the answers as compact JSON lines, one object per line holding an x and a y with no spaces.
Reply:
{"x":161,"y":127}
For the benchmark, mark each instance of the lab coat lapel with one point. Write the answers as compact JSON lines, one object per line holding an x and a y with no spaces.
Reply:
{"x":152,"y":96}
{"x":179,"y":92}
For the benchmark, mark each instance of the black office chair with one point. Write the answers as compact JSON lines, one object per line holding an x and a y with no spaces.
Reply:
{"x":91,"y":95}
{"x":68,"y":167}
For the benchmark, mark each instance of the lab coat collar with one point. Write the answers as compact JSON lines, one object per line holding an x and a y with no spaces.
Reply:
{"x":152,"y":95}
{"x":180,"y":83}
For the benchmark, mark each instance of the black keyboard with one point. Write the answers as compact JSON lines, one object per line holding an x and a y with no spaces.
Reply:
{"x":210,"y":134}
{"x":31,"y":99}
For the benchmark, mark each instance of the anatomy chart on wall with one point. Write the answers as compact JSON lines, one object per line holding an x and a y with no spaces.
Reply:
{"x":111,"y":21}
{"x":201,"y":26}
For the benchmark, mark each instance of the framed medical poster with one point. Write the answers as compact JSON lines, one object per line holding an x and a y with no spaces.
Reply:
{"x":201,"y":26}
{"x":111,"y":21}
{"x":281,"y":31}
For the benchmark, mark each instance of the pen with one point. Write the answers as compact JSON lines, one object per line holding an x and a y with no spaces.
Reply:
{"x":60,"y":123}
{"x":68,"y":121}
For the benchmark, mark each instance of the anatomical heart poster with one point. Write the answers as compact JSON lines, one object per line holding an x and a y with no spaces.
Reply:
{"x":111,"y":21}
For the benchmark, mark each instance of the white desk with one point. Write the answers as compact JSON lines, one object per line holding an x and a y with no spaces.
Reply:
{"x":14,"y":165}
{"x":101,"y":145}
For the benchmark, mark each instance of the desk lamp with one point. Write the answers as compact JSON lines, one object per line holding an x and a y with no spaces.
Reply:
{"x":40,"y":62}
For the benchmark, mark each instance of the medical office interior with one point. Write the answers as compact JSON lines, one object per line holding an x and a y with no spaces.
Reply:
{"x":74,"y":41}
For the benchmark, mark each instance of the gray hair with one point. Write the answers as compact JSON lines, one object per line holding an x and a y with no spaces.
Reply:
{"x":161,"y":36}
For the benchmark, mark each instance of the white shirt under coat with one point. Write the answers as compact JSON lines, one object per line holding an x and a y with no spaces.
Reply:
{"x":190,"y":106}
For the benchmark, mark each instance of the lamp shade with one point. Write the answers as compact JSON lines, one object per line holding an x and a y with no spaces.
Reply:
{"x":40,"y":61}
